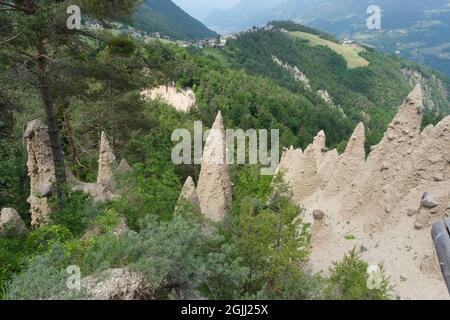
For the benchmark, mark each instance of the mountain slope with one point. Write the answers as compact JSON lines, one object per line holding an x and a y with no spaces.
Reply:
{"x":419,"y":30}
{"x":366,"y":94}
{"x":165,"y":17}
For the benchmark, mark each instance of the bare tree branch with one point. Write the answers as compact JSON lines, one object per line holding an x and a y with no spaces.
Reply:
{"x":90,"y":35}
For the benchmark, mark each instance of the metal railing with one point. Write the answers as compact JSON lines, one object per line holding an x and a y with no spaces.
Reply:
{"x":441,"y":239}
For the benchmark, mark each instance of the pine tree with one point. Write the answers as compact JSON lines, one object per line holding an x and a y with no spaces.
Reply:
{"x":32,"y":35}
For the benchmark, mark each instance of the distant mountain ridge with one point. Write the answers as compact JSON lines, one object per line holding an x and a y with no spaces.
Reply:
{"x":167,"y":18}
{"x":242,"y":16}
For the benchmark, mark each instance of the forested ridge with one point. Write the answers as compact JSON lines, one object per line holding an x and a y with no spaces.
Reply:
{"x":368,"y":94}
{"x":94,"y":84}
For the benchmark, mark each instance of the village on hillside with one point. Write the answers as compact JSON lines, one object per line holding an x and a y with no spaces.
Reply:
{"x":219,"y":42}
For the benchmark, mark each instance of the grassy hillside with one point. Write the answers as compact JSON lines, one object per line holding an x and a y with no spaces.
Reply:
{"x":165,"y":17}
{"x":351,"y":55}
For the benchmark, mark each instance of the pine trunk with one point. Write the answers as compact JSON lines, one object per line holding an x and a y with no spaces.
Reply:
{"x":52,"y":122}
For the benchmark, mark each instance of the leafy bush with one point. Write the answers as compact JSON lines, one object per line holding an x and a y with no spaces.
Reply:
{"x":78,"y":209}
{"x":173,"y":254}
{"x":156,"y":187}
{"x":296,"y":285}
{"x":44,"y":278}
{"x":108,"y":220}
{"x":349,"y":281}
{"x":9,"y":262}
{"x":122,"y":45}
{"x":179,"y":254}
{"x":155,"y":193}
{"x":14,"y":185}
{"x":40,"y":240}
{"x":272,"y":240}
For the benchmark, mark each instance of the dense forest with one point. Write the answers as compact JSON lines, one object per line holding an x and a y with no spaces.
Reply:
{"x":88,"y":83}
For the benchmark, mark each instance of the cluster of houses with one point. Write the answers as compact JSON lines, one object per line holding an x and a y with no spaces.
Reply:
{"x":143,"y":35}
{"x":267,"y":27}
{"x":219,"y":42}
{"x":349,"y":43}
{"x":133,"y":32}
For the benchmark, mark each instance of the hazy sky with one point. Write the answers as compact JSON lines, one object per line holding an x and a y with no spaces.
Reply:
{"x":201,"y":8}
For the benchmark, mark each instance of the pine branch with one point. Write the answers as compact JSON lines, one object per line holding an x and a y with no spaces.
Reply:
{"x":12,"y":6}
{"x":15,"y":7}
{"x":11,"y":39}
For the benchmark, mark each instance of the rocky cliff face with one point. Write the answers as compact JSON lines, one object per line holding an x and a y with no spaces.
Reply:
{"x":181,"y":100}
{"x":430,"y":86}
{"x":372,"y":199}
{"x":301,"y":77}
{"x":296,"y":73}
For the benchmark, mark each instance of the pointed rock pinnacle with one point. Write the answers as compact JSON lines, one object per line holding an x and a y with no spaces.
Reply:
{"x":355,"y":146}
{"x":189,"y":193}
{"x":105,"y":163}
{"x":214,"y":185}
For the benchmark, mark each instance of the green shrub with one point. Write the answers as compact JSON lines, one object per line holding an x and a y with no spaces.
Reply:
{"x":271,"y":238}
{"x":349,"y":281}
{"x":155,"y":192}
{"x":296,"y":285}
{"x":107,"y":221}
{"x":14,"y":185}
{"x":122,"y":45}
{"x":78,"y":210}
{"x":174,"y":254}
{"x":42,"y":239}
{"x":3,"y":295}
{"x":44,"y":278}
{"x":10,"y":262}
